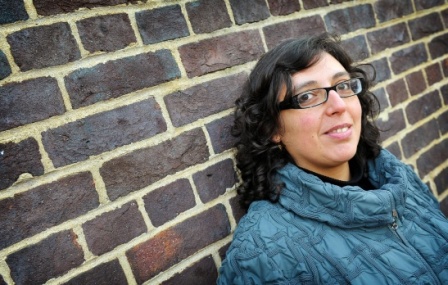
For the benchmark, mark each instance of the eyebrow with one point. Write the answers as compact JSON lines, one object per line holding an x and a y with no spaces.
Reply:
{"x":313,"y":82}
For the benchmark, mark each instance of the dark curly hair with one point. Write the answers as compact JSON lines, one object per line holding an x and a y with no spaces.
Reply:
{"x":257,"y":115}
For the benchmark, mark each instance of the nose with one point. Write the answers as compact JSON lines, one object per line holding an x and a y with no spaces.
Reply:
{"x":335,"y":104}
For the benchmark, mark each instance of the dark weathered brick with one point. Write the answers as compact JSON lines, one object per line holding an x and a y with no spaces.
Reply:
{"x":432,"y":158}
{"x":416,"y":83}
{"x":425,"y":26}
{"x":423,"y":107}
{"x":414,"y":141}
{"x":357,"y":46}
{"x":161,"y":24}
{"x":397,"y":92}
{"x":442,"y":121}
{"x":444,"y":206}
{"x":382,"y":69}
{"x":112,"y":79}
{"x":102,"y":132}
{"x":208,"y":15}
{"x":221,"y":52}
{"x":441,"y":181}
{"x":391,"y":9}
{"x":249,"y":11}
{"x":433,"y":73}
{"x":274,"y":34}
{"x":5,"y":69}
{"x":389,"y":37}
{"x":220,"y":136}
{"x":426,"y":4}
{"x":223,"y":250}
{"x":29,"y":101}
{"x":311,"y":4}
{"x":205,"y":99}
{"x":12,"y":11}
{"x":444,"y":91}
{"x":438,"y":46}
{"x":444,"y":15}
{"x":203,"y":272}
{"x":2,"y":281}
{"x":19,"y":158}
{"x":109,"y":273}
{"x":381,"y":95}
{"x":51,"y":7}
{"x":43,"y":46}
{"x":175,"y":244}
{"x":445,"y":67}
{"x":47,"y":259}
{"x":106,"y":33}
{"x":350,"y":19}
{"x":145,"y":166}
{"x":237,"y":210}
{"x":283,"y":7}
{"x":407,"y":58}
{"x":395,"y":149}
{"x":113,"y":228}
{"x":214,"y":180}
{"x":394,"y":124}
{"x":46,"y":206}
{"x":167,"y":202}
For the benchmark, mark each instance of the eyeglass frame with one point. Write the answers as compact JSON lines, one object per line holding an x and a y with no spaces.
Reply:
{"x":292,"y":104}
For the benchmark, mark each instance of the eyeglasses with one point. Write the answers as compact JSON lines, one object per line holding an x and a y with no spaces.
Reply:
{"x":318,"y":96}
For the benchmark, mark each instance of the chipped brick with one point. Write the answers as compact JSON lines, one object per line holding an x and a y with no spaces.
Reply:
{"x":249,"y":11}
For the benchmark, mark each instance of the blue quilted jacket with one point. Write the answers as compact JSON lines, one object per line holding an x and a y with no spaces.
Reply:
{"x":320,"y":233}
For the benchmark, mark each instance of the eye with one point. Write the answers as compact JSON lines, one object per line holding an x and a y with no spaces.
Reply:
{"x":310,"y":98}
{"x":344,"y":86}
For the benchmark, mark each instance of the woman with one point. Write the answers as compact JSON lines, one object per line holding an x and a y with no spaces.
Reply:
{"x":327,"y":205}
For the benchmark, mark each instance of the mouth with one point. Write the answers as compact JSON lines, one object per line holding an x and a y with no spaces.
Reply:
{"x":339,"y":129}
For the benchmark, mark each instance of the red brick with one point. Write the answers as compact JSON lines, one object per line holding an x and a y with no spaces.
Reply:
{"x":220,"y":136}
{"x":433,"y":73}
{"x":397,"y":92}
{"x":393,"y":125}
{"x":441,"y":181}
{"x":19,"y":158}
{"x":249,"y":11}
{"x":357,"y":46}
{"x":143,"y":167}
{"x":47,"y":259}
{"x":5,"y":68}
{"x":109,"y":273}
{"x":43,"y":46}
{"x":311,"y":4}
{"x":51,"y":7}
{"x":208,"y":15}
{"x":45,"y":206}
{"x":77,"y":141}
{"x":203,"y":272}
{"x":426,"y":4}
{"x":391,"y":9}
{"x":113,"y":228}
{"x":389,"y":37}
{"x":29,"y":101}
{"x":218,"y":53}
{"x":276,"y":33}
{"x":167,"y":202}
{"x":432,"y":158}
{"x":177,"y":243}
{"x":13,"y":11}
{"x":189,"y":105}
{"x":106,"y":33}
{"x":425,"y":26}
{"x":423,"y":107}
{"x":416,"y":82}
{"x":408,"y":58}
{"x":283,"y":7}
{"x":112,"y":79}
{"x":350,"y":19}
{"x":415,"y":141}
{"x":438,"y":46}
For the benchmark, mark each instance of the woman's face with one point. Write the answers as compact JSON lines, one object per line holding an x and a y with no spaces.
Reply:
{"x":323,"y":138}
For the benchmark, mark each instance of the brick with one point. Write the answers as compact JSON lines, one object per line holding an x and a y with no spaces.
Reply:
{"x":423,"y":107}
{"x":433,"y":73}
{"x":214,"y":180}
{"x":223,"y":250}
{"x":444,"y":91}
{"x":203,"y":272}
{"x":220,"y":136}
{"x":431,"y":159}
{"x":109,"y":273}
{"x":445,"y":67}
{"x":143,"y":167}
{"x":347,"y":20}
{"x":416,"y":83}
{"x":106,"y":33}
{"x":161,"y":24}
{"x":312,"y":4}
{"x":45,"y":206}
{"x":389,"y":37}
{"x":29,"y":101}
{"x":397,"y":92}
{"x":12,"y":11}
{"x":382,"y":69}
{"x":2,"y":281}
{"x":380,"y":94}
{"x":283,"y":7}
{"x":357,"y":46}
{"x":276,"y":33}
{"x":208,"y":15}
{"x":425,"y":26}
{"x":441,"y":181}
{"x":178,"y":242}
{"x":237,"y":210}
{"x":98,"y":133}
{"x":115,"y":78}
{"x":438,"y":46}
{"x":415,"y":141}
{"x":395,"y":150}
{"x":392,"y":9}
{"x":47,"y":259}
{"x":444,"y":15}
{"x":444,"y":206}
{"x":5,"y":69}
{"x":249,"y":11}
{"x":167,"y":202}
{"x":114,"y":228}
{"x":43,"y":46}
{"x":442,"y":121}
{"x":407,"y":58}
{"x":189,"y":105}
{"x":51,"y":7}
{"x":19,"y":158}
{"x":392,"y":125}
{"x":426,"y":4}
{"x":219,"y":53}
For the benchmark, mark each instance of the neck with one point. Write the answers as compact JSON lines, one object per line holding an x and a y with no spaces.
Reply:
{"x":340,"y":172}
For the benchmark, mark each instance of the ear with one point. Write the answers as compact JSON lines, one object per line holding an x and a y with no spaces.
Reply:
{"x":277,"y":138}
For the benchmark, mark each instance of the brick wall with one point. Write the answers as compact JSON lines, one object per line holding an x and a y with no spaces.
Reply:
{"x":116,"y":164}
